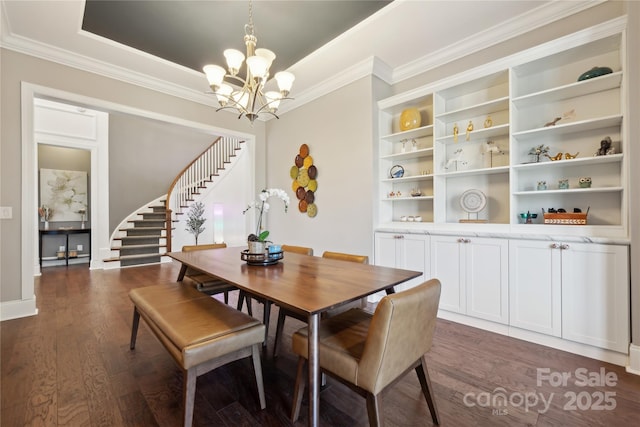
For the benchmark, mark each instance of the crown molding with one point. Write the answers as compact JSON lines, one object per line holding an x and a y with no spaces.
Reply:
{"x":372,"y":66}
{"x":534,"y":19}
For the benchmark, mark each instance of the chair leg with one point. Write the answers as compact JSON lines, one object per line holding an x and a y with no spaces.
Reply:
{"x":427,"y":389}
{"x":242,"y":297}
{"x":374,"y":409}
{"x":298,"y":390}
{"x":257,"y":367}
{"x":134,"y":328}
{"x":189,"y":393}
{"x":240,"y":300}
{"x":265,"y":320}
{"x":279,"y":331}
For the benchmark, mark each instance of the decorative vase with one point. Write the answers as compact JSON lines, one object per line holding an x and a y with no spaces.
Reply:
{"x":46,"y":225}
{"x":256,"y":247}
{"x":410,"y":119}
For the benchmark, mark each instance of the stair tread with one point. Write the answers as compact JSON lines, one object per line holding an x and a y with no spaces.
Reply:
{"x":118,"y":258}
{"x":118,"y":248}
{"x":140,"y":228}
{"x":137,"y":256}
{"x":138,"y":237}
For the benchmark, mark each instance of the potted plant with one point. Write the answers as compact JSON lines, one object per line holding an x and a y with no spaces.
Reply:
{"x":195,"y":220}
{"x":257,"y":241}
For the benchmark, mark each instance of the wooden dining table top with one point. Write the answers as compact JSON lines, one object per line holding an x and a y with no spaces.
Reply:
{"x":303,"y":283}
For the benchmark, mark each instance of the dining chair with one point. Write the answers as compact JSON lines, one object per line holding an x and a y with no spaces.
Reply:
{"x":284,"y":313}
{"x":370,"y":353}
{"x":204,"y":282}
{"x":303,"y":250}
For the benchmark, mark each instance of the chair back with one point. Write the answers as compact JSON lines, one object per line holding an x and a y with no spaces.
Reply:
{"x":297,"y":249}
{"x":189,"y":248}
{"x":400,"y":333}
{"x":362,"y":259}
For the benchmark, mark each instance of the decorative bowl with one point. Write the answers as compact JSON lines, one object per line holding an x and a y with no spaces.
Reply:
{"x":595,"y":72}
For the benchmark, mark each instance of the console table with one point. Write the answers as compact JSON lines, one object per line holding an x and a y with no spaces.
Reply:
{"x":66,"y":233}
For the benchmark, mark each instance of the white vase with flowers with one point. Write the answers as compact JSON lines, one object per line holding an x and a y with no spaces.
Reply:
{"x":257,"y":241}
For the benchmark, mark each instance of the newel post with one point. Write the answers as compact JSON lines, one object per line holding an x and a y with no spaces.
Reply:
{"x":167,"y":222}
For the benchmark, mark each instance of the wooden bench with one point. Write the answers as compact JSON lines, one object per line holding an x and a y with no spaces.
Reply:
{"x":200,"y":333}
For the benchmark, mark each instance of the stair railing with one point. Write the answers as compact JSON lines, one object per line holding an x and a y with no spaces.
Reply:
{"x":195,"y":177}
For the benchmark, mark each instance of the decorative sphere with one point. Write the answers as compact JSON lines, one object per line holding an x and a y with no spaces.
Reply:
{"x":410,"y":119}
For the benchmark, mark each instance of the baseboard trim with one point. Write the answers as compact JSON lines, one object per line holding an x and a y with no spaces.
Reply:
{"x":18,"y":308}
{"x":634,"y":360}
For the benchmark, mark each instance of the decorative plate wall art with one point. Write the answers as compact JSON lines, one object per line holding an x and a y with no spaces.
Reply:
{"x":304,"y":185}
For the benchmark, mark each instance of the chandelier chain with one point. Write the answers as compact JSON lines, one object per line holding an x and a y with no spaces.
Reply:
{"x":249,"y":26}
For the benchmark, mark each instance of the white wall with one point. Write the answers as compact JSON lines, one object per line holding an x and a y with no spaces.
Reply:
{"x":234,"y":190}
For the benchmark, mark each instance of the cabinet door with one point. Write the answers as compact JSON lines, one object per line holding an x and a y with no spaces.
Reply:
{"x":534,"y":293}
{"x":487,"y":285}
{"x":446,"y":256}
{"x":414,"y":255}
{"x":595,"y":295}
{"x":386,"y":249}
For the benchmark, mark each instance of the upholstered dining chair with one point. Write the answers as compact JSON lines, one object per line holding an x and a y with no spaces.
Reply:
{"x":303,"y":250}
{"x":244,"y":297}
{"x":283,"y":313}
{"x":370,"y":353}
{"x":203,"y":282}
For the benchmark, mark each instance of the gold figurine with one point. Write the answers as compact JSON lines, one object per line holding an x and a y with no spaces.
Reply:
{"x":469,"y":129}
{"x":556,"y":157}
{"x":455,"y":132}
{"x":488,"y":122}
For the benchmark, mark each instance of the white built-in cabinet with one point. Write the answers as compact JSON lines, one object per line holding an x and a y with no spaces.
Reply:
{"x":595,"y":295}
{"x":535,"y":293}
{"x":474,"y":276}
{"x":477,"y":130}
{"x":407,"y":251}
{"x":577,"y":291}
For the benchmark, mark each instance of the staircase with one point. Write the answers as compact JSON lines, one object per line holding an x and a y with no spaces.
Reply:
{"x":145,"y":242}
{"x":145,"y":236}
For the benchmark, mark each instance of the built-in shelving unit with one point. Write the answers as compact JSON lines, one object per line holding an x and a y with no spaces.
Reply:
{"x":503,"y":268}
{"x":477,"y":133}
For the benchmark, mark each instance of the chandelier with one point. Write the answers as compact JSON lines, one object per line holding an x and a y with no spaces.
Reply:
{"x":251,"y":100}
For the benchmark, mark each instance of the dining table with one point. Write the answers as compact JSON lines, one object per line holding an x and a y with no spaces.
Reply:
{"x":308,"y":285}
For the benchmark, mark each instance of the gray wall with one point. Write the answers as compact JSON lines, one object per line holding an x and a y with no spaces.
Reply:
{"x":338,"y":128}
{"x":144,"y":157}
{"x":16,"y":68}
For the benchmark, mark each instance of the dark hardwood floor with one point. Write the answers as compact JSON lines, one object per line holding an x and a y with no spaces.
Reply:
{"x":71,"y":366}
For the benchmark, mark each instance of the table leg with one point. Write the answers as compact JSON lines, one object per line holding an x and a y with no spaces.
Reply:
{"x":314,"y":370}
